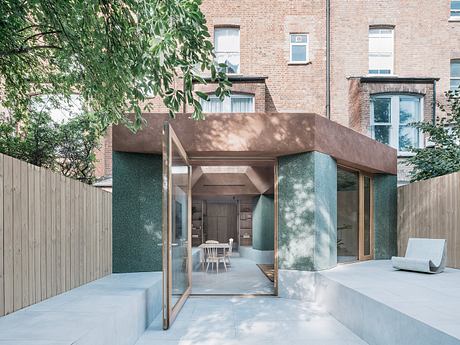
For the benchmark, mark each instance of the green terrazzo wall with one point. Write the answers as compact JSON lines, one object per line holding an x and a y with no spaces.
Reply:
{"x":307,"y":224}
{"x":385,"y":212}
{"x":263,"y":223}
{"x":137,"y":212}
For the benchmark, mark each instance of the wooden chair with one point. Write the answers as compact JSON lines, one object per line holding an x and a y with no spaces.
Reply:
{"x":228,"y":253}
{"x":212,"y":257}
{"x":212,"y":242}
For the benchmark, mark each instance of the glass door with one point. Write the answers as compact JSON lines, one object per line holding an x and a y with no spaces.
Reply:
{"x":177,"y":244}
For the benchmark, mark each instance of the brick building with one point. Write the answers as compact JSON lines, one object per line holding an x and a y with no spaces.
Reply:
{"x":359,"y":62}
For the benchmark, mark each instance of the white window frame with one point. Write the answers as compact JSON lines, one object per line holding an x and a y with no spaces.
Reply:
{"x":452,"y":11}
{"x":227,"y":102}
{"x":291,"y":44}
{"x":457,"y":78}
{"x":392,"y":52}
{"x":230,"y":52}
{"x":394,"y":120}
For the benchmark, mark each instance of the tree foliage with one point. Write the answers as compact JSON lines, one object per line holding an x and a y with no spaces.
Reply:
{"x":442,"y":156}
{"x":113,"y":53}
{"x":68,"y":147}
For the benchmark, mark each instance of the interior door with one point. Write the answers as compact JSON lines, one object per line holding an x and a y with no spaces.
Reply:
{"x":177,"y":235}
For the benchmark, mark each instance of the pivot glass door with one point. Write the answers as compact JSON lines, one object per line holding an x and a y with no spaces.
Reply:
{"x":177,"y":257}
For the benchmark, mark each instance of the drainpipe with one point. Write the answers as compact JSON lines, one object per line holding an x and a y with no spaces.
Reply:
{"x":328,"y":59}
{"x":434,"y":102}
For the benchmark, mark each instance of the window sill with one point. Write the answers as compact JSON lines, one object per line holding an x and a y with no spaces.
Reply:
{"x":405,"y":154}
{"x":454,"y":19}
{"x":303,"y":63}
{"x":382,"y":75}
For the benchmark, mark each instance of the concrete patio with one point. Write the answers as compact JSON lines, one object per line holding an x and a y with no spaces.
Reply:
{"x":360,"y":303}
{"x":390,"y":306}
{"x":248,"y":321}
{"x":242,"y":277}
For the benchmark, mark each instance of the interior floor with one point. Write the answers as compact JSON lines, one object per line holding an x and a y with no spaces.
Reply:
{"x":243,"y":276}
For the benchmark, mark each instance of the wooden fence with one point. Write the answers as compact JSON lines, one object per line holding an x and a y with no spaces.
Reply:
{"x":55,"y":234}
{"x":431,"y":209}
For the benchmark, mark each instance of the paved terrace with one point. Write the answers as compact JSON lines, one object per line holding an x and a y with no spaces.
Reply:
{"x":374,"y":304}
{"x":385,"y":306}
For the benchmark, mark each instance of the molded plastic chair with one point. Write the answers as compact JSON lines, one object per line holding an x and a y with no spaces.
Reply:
{"x":422,"y":255}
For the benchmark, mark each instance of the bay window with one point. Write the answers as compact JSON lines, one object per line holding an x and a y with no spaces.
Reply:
{"x":391,"y":119}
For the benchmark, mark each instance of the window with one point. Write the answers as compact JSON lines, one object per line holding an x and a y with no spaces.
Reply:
{"x":298,"y":48}
{"x":391,"y":116}
{"x":454,"y":75}
{"x":236,"y":103}
{"x":381,"y":50}
{"x":455,"y":9}
{"x":227,"y":48}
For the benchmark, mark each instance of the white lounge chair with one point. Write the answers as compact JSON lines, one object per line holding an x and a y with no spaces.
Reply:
{"x":422,"y":255}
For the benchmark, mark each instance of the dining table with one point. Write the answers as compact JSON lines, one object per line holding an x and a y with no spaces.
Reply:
{"x":223,"y":246}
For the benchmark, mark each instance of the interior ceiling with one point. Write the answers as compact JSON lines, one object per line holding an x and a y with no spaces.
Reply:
{"x":232,"y":180}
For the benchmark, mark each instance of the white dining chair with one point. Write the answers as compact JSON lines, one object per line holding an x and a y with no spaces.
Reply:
{"x":212,"y":242}
{"x":229,"y":251}
{"x":212,"y":257}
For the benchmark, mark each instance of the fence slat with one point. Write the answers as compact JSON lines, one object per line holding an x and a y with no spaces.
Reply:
{"x":2,"y":293}
{"x":55,"y":234}
{"x":430,"y":209}
{"x":8,"y":254}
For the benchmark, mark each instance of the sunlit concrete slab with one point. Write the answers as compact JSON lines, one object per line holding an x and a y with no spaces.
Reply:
{"x":386,"y":306}
{"x":244,"y":321}
{"x":112,"y":310}
{"x":242,"y":277}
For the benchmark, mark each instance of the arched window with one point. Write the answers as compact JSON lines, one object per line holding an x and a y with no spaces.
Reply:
{"x":391,"y":119}
{"x":236,"y":103}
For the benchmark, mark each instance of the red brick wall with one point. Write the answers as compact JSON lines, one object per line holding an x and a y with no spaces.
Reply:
{"x":425,"y":42}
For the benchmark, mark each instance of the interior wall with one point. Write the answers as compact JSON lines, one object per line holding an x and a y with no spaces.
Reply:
{"x":137,"y":212}
{"x":221,"y":221}
{"x":263,"y":223}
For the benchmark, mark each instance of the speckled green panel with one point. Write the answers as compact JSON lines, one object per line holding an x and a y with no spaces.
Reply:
{"x":385,"y":212}
{"x":137,"y":212}
{"x":307,"y":235}
{"x":263,"y":223}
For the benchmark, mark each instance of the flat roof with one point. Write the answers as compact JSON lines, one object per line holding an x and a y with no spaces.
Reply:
{"x":259,"y":137}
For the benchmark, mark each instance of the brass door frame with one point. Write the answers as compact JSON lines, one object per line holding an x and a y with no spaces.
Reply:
{"x":361,"y":175}
{"x":170,"y":311}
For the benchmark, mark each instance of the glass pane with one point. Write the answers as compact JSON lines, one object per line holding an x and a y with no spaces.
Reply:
{"x":298,"y":38}
{"x":455,"y":8}
{"x":299,"y":53}
{"x":455,"y":69}
{"x":214,"y":105}
{"x":454,"y":84}
{"x":382,"y":134}
{"x":409,"y":110}
{"x":232,"y":60}
{"x":179,"y":226}
{"x":227,"y":39}
{"x":242,"y":104}
{"x":347,"y":215}
{"x":382,"y":110}
{"x":367,"y":215}
{"x":408,"y":137}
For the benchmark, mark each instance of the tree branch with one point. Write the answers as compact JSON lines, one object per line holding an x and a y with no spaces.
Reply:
{"x":25,"y":50}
